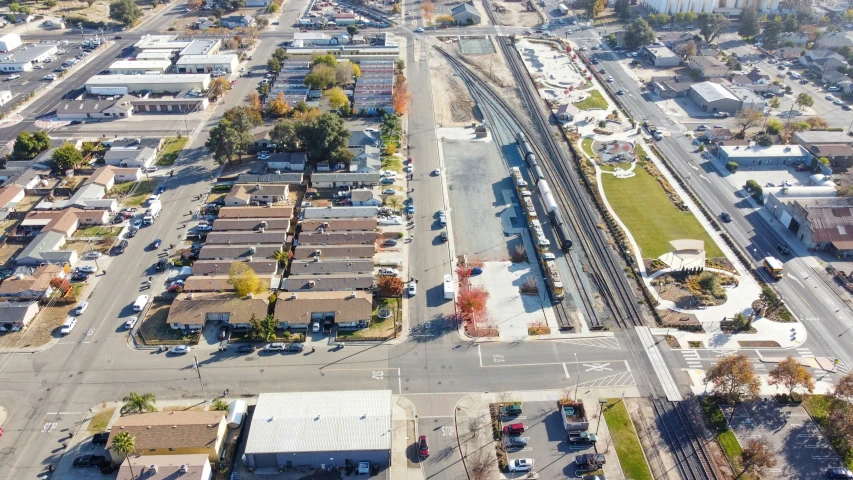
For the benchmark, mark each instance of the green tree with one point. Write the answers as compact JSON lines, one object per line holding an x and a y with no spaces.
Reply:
{"x":321,"y":77}
{"x":791,"y":23}
{"x":123,"y":444}
{"x":51,"y":3}
{"x":262,"y":329}
{"x":775,"y":102}
{"x":391,"y":126}
{"x":848,"y":16}
{"x":337,"y":98}
{"x":768,"y":296}
{"x":136,"y":403}
{"x":125,"y":12}
{"x":219,"y":405}
{"x":280,"y":54}
{"x":749,"y":26}
{"x":244,"y":279}
{"x":748,"y":118}
{"x":639,"y":34}
{"x":352,"y":30}
{"x":226,"y":142}
{"x":325,"y":137}
{"x":773,"y":126}
{"x":264,"y":89}
{"x":274,"y":65}
{"x":65,"y":157}
{"x":28,"y":145}
{"x":763,"y":140}
{"x":594,"y":7}
{"x":328,"y":60}
{"x":772,"y":31}
{"x":711,"y":25}
{"x":285,"y":134}
{"x":272,"y":7}
{"x":283,"y":258}
{"x":804,"y":100}
{"x":623,"y":9}
{"x":243,"y":118}
{"x":400,"y":64}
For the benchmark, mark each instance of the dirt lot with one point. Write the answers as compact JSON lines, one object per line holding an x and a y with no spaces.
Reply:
{"x":155,"y":331}
{"x":98,"y":12}
{"x":452,"y":102}
{"x":516,"y":14}
{"x":28,"y":202}
{"x":40,"y":329}
{"x":9,"y":251}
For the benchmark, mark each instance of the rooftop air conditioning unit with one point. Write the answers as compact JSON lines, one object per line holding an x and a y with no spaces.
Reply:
{"x":183,"y":468}
{"x":153,"y":468}
{"x":261,"y":230}
{"x":293,"y":296}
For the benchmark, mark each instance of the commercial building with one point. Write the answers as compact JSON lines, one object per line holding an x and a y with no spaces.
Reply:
{"x":465,"y":14}
{"x":5,"y":97}
{"x":750,"y":156}
{"x":712,"y":97}
{"x":207,"y":63}
{"x":660,"y":56}
{"x":708,"y":6}
{"x":173,"y":433}
{"x":139,"y":67}
{"x":819,"y":223}
{"x":166,"y":467}
{"x":202,"y":47}
{"x":155,"y":55}
{"x":9,"y":42}
{"x":708,"y":66}
{"x":123,"y":84}
{"x":23,"y":58}
{"x":374,"y":89}
{"x":183,"y":102}
{"x":320,"y":429}
{"x":162,"y":42}
{"x":94,"y":108}
{"x":353,"y":53}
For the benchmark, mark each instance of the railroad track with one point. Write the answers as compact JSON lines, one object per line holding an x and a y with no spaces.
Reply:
{"x":691,"y":457}
{"x":499,"y":115}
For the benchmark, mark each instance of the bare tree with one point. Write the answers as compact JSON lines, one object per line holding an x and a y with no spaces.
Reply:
{"x":844,"y":388}
{"x":748,"y":118}
{"x":480,"y":465}
{"x":476,"y":425}
{"x":756,"y":455}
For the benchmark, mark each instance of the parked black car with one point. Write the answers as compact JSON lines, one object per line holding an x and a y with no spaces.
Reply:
{"x":101,"y":438}
{"x":246,"y":348}
{"x":82,"y":461}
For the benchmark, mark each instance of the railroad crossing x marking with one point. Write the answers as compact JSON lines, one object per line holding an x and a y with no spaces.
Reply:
{"x":597,"y":367}
{"x":378,"y":375}
{"x":498,"y":358}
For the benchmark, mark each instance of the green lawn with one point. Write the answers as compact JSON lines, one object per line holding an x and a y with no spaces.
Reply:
{"x":133,"y":194}
{"x":625,"y":440}
{"x":392,"y":163}
{"x":97,"y":231}
{"x":653,"y":220}
{"x":728,"y":441}
{"x":378,"y":327}
{"x":594,"y":100}
{"x":586,"y":144}
{"x":171,"y":149}
{"x":101,"y":420}
{"x":818,"y":407}
{"x":640,"y":152}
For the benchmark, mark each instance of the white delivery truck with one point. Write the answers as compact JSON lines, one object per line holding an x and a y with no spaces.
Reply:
{"x":563,"y":9}
{"x":449,"y":289}
{"x":140,"y":303}
{"x":236,"y":413}
{"x":153,"y":212}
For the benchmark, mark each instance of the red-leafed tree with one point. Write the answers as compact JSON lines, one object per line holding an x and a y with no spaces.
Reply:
{"x":471,"y":302}
{"x":61,"y":284}
{"x":390,"y":286}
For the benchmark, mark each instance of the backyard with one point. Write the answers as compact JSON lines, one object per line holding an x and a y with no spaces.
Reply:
{"x":378,"y":327}
{"x":133,"y":194}
{"x":595,"y":101}
{"x":171,"y":149}
{"x":649,"y":214}
{"x":628,"y":447}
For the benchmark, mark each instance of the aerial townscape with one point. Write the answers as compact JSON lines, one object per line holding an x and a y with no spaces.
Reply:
{"x":426,"y":239}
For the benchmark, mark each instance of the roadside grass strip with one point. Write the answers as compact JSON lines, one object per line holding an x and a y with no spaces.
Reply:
{"x":628,"y":447}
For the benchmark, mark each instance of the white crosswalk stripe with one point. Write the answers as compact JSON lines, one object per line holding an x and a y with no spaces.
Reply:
{"x":692,"y":358}
{"x":805,"y":353}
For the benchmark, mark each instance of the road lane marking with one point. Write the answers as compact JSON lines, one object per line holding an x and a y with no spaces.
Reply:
{"x":48,"y":427}
{"x":566,"y":371}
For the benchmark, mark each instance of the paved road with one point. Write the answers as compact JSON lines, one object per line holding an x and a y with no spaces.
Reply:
{"x":807,"y":297}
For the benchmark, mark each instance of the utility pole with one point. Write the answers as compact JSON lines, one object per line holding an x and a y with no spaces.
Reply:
{"x":198,"y":371}
{"x":578,"y":371}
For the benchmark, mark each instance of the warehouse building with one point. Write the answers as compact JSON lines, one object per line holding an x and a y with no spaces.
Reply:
{"x":9,"y":42}
{"x":712,"y":97}
{"x":660,"y":56}
{"x":202,"y":47}
{"x":320,"y":429}
{"x":749,"y":156}
{"x":207,"y":63}
{"x":184,"y":102}
{"x":95,"y":108}
{"x":161,"y":42}
{"x":139,"y":67}
{"x":155,"y":55}
{"x":22,"y":59}
{"x":123,"y":84}
{"x":353,"y":53}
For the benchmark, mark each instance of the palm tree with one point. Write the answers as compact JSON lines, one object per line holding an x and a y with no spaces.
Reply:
{"x":136,"y":403}
{"x":282,"y":258}
{"x":124,"y":444}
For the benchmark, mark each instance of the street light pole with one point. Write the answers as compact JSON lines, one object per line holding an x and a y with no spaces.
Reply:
{"x":198,"y":371}
{"x":578,"y":371}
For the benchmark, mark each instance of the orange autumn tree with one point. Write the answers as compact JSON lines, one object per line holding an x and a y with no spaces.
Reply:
{"x":279,"y":107}
{"x":402,"y":96}
{"x":471,"y":302}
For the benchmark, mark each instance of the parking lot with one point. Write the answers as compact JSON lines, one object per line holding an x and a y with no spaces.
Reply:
{"x":801,"y":450}
{"x":548,"y":446}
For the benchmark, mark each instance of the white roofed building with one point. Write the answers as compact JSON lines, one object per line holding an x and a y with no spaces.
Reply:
{"x":207,"y":63}
{"x":122,"y":84}
{"x":128,"y":67}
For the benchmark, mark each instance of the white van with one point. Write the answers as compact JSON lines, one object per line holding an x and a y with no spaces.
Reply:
{"x":68,"y":325}
{"x":140,"y":302}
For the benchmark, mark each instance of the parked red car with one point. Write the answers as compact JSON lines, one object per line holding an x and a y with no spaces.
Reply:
{"x":423,"y":447}
{"x":514,"y":429}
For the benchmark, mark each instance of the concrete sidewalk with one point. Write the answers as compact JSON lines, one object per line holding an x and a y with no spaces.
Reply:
{"x":404,"y":427}
{"x":787,"y":335}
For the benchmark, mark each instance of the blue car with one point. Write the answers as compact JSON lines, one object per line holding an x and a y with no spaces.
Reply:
{"x":411,"y":209}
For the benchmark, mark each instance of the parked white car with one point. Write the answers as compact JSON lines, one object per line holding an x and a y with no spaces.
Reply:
{"x":130,"y":322}
{"x":521,"y":465}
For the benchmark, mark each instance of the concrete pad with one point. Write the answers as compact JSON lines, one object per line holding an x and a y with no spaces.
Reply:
{"x":510,"y":311}
{"x":463,"y":133}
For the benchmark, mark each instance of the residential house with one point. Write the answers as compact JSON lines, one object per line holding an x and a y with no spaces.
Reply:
{"x":31,"y":283}
{"x":345,"y":224}
{"x":367,"y":159}
{"x":237,"y":21}
{"x":833,"y":77}
{"x":16,"y":316}
{"x":247,"y":224}
{"x":261,"y":266}
{"x":318,"y":238}
{"x":191,"y":311}
{"x":299,"y":309}
{"x":10,"y":196}
{"x":245,"y":195}
{"x":363,"y":138}
{"x":333,"y":282}
{"x":797,"y":39}
{"x":790,"y":53}
{"x":846,"y":87}
{"x":316,"y":213}
{"x":764,"y":156}
{"x":255,"y":212}
{"x":173,"y":433}
{"x":220,"y":283}
{"x":708,"y":67}
{"x":822,"y":60}
{"x":294,"y":161}
{"x":289,"y":178}
{"x":670,"y":86}
{"x":237,"y":252}
{"x":349,"y":266}
{"x":45,"y":248}
{"x":247,"y":238}
{"x":134,"y":143}
{"x":465,"y":14}
{"x":104,"y":176}
{"x":840,"y":155}
{"x":716,"y":134}
{"x":323,"y":252}
{"x":344,"y":179}
{"x":205,"y":23}
{"x":140,"y":158}
{"x":752,"y":80}
{"x":834,"y":40}
{"x":364,"y":197}
{"x":166,"y":467}
{"x":749,"y":98}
